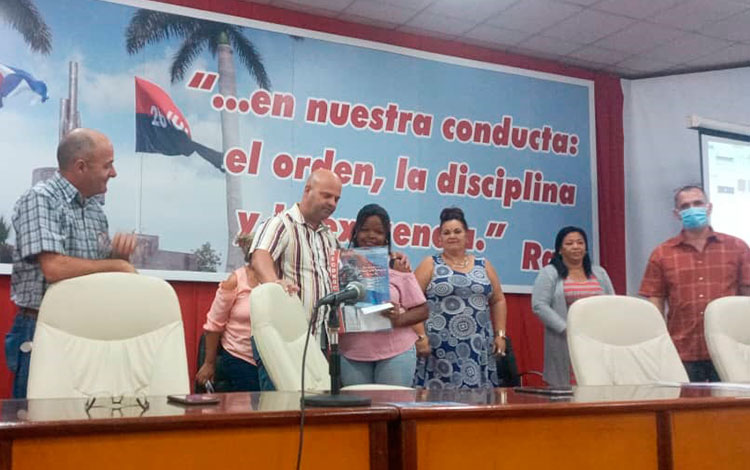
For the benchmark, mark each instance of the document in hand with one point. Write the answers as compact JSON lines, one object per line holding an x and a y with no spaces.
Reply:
{"x":369,"y":266}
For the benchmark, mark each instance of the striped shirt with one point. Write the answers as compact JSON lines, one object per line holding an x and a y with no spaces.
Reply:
{"x":53,"y":217}
{"x":689,"y":279}
{"x":301,"y":254}
{"x":574,"y":290}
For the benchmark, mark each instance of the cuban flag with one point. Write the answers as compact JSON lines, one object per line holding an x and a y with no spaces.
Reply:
{"x":14,"y":81}
{"x":160,"y":127}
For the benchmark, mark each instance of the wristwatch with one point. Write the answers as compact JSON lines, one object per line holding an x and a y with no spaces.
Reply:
{"x":500,"y":334}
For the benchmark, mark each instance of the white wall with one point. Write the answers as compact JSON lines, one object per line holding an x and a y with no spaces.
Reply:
{"x":662,"y":154}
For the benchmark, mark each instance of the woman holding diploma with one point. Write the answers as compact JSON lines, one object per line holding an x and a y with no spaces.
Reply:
{"x":388,"y":356}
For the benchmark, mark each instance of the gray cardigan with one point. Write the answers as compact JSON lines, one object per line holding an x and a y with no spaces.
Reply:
{"x":548,"y":303}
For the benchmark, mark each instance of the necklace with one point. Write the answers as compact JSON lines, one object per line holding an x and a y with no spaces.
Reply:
{"x":454,"y":264}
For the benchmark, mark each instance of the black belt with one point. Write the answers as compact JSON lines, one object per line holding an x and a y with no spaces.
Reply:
{"x":28,"y":312}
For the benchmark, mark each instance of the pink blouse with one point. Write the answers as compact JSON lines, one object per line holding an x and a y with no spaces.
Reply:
{"x":378,"y":345}
{"x":574,"y":290}
{"x":230,"y":315}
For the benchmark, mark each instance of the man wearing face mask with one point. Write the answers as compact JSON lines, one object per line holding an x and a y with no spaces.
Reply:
{"x":690,"y":270}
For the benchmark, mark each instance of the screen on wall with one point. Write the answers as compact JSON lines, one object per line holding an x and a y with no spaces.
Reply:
{"x":726,"y":177}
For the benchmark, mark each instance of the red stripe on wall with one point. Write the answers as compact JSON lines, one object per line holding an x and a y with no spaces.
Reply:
{"x":7,"y":312}
{"x":195,"y":299}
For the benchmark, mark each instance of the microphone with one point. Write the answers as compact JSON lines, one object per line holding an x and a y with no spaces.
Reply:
{"x":353,"y":293}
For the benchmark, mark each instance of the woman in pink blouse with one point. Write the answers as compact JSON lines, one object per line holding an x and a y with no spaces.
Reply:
{"x":384,"y":357}
{"x":569,"y":276}
{"x":227,"y":331}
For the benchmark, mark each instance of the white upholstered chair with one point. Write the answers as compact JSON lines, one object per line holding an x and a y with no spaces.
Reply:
{"x":108,"y":335}
{"x":727,"y":327}
{"x":619,"y":340}
{"x":279,"y":330}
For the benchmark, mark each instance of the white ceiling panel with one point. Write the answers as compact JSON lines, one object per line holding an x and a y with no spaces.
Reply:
{"x":694,"y":14}
{"x":639,"y":9}
{"x":581,"y":2}
{"x":478,"y":10}
{"x":640,"y":37}
{"x":313,"y":10}
{"x":425,"y":32}
{"x":735,"y":54}
{"x":413,"y":4}
{"x":549,"y":45}
{"x":632,"y":38}
{"x":440,"y":23}
{"x":533,"y":15}
{"x":381,"y":11}
{"x":686,"y":48}
{"x":646,"y":65}
{"x":364,"y":20}
{"x":587,"y":64}
{"x":495,"y":35}
{"x":588,"y":26}
{"x":599,"y":55}
{"x":734,"y":28}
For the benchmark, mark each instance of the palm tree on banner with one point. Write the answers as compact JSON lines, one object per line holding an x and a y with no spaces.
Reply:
{"x":223,"y":41}
{"x":24,"y":17}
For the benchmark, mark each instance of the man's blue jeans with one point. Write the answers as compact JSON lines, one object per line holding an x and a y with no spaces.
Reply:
{"x":18,"y":361}
{"x":701,"y":371}
{"x":266,"y":384}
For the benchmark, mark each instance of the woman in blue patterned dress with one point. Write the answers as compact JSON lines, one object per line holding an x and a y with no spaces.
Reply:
{"x":466,"y":326}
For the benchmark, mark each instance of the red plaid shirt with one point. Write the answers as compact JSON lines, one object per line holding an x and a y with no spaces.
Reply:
{"x":689,"y":280}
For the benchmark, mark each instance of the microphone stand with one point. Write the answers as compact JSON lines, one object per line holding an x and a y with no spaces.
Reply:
{"x":335,"y":398}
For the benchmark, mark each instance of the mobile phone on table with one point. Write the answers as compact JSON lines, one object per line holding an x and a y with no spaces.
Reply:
{"x":548,"y":391}
{"x":194,"y":399}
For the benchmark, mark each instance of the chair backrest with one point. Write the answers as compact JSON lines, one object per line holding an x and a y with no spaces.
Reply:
{"x":108,"y":334}
{"x":619,"y":340}
{"x":280,"y":329}
{"x":727,"y":327}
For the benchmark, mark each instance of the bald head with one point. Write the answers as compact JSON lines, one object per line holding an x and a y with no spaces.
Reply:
{"x":86,"y":159}
{"x":321,"y":195}
{"x":323,"y":177}
{"x":79,"y":144}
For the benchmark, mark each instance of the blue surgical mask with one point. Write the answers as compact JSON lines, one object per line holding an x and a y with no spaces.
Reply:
{"x":694,"y":217}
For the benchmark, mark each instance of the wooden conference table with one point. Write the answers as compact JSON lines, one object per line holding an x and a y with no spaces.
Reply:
{"x":634,"y":427}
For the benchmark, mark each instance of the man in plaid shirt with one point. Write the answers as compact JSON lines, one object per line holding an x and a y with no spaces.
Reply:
{"x":689,"y":271}
{"x":61,"y":232}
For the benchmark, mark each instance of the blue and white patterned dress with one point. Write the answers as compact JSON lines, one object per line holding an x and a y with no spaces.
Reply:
{"x":459,"y":330}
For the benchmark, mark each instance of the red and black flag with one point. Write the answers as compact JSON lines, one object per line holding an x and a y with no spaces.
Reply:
{"x":160,"y":127}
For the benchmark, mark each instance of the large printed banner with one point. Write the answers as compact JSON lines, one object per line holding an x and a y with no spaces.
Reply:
{"x":218,"y":121}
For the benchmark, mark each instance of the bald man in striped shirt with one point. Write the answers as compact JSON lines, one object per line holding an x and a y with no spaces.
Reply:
{"x":294,"y":247}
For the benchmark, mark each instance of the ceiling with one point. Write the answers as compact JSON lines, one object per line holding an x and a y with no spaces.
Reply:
{"x":630,"y":38}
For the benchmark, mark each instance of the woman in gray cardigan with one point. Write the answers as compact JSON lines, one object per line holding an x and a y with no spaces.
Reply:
{"x":569,"y":277}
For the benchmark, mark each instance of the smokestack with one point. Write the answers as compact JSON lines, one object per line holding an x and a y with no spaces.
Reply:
{"x":70,"y":118}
